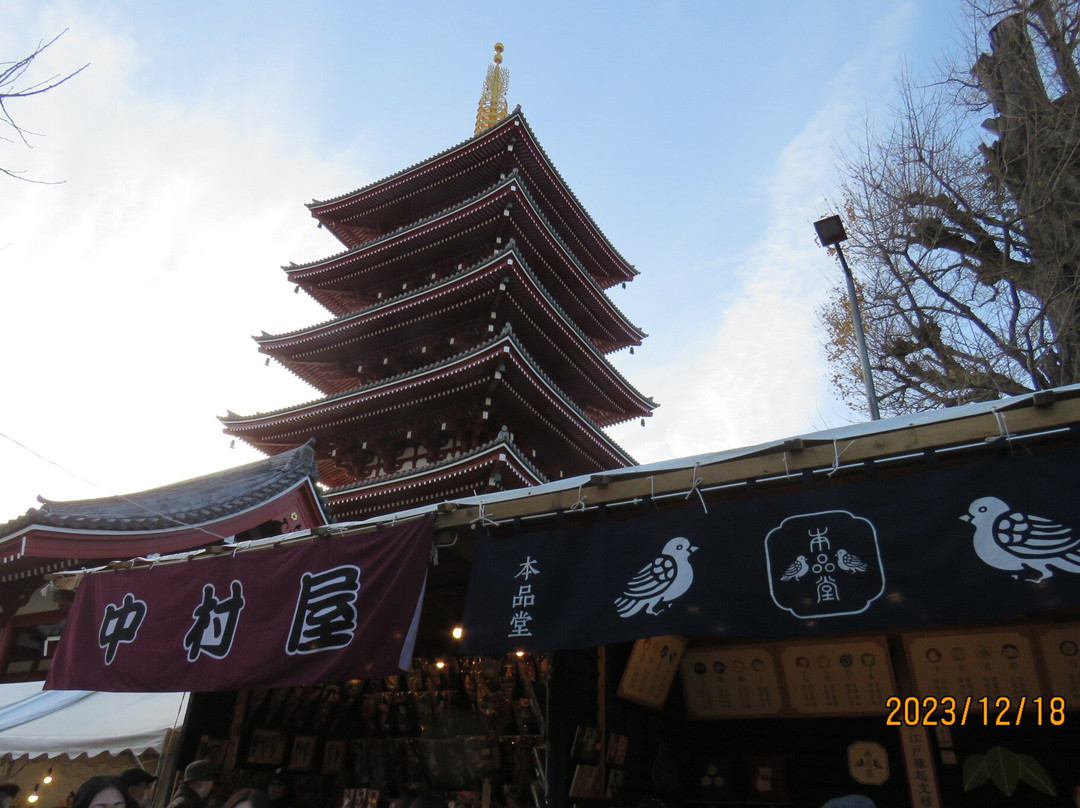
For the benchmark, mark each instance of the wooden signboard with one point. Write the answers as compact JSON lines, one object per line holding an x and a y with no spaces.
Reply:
{"x":841,"y":677}
{"x":974,"y":665}
{"x":267,"y":747}
{"x":651,"y":670}
{"x":919,"y":766}
{"x":333,"y":761}
{"x":730,"y":682}
{"x":303,"y":753}
{"x":868,"y":763}
{"x":1060,"y":646}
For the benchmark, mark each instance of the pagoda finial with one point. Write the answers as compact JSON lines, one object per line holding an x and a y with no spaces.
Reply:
{"x":492,"y":108}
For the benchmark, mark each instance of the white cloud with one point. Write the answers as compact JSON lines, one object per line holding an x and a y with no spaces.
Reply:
{"x":762,"y":375}
{"x":132,"y":289}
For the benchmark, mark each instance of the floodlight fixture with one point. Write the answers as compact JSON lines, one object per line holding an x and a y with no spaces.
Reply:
{"x":830,"y":232}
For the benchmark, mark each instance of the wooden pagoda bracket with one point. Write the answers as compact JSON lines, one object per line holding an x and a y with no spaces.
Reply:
{"x":507,"y":159}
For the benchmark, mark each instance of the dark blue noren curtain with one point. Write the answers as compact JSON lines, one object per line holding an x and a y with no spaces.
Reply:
{"x":939,"y":545}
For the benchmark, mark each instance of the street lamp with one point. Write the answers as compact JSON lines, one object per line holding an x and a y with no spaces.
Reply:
{"x":830,"y":232}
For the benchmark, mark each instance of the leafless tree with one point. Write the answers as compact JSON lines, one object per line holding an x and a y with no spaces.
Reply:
{"x":965,"y":229}
{"x":15,"y":84}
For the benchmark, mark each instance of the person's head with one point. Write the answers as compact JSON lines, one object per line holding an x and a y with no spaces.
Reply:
{"x":199,"y":776}
{"x":277,"y":788}
{"x":426,"y":799}
{"x":103,"y":791}
{"x":248,"y":798}
{"x":140,"y":785}
{"x":8,"y":792}
{"x":850,"y":801}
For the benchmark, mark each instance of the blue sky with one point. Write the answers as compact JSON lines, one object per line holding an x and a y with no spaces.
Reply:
{"x":701,"y":136}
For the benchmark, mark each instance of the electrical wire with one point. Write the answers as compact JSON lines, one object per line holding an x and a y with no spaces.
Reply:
{"x":69,"y":472}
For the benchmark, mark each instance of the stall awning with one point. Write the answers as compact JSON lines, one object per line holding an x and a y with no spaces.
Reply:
{"x":34,"y":722}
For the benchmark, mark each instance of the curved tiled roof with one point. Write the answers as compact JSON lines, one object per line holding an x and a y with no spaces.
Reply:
{"x":415,"y":224}
{"x":513,"y":178}
{"x":515,"y":118}
{"x":191,"y":502}
{"x":435,"y":468}
{"x":285,"y":424}
{"x":486,"y":134}
{"x":232,"y":419}
{"x":460,"y":477}
{"x":390,"y":303}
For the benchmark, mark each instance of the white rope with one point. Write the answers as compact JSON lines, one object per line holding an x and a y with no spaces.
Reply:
{"x":695,"y":488}
{"x":580,"y":504}
{"x":1003,"y":426}
{"x":482,"y":519}
{"x":837,"y":454}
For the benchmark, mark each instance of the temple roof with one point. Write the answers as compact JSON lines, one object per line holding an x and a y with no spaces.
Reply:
{"x":172,"y":518}
{"x":471,"y":224}
{"x":436,"y":482}
{"x":316,"y":354}
{"x":415,"y":192}
{"x":457,"y":376}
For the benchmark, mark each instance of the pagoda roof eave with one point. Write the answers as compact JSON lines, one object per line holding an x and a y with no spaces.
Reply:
{"x":513,"y":186}
{"x":505,"y":344}
{"x":443,"y":468}
{"x":463,"y":476}
{"x":514,"y":122}
{"x":510,"y":259}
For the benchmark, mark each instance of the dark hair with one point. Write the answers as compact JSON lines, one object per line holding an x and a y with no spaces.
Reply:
{"x":95,"y":785}
{"x":425,"y":799}
{"x":11,"y":789}
{"x":257,"y":798}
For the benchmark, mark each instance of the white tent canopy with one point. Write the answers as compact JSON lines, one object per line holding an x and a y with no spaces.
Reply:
{"x":34,"y":722}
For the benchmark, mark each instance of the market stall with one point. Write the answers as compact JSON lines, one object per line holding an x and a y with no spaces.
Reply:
{"x":71,"y":735}
{"x":806,"y":596}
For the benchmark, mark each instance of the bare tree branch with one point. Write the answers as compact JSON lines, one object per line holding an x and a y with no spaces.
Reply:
{"x":13,"y":87}
{"x":965,"y":232}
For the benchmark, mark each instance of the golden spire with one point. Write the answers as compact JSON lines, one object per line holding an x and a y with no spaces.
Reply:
{"x":492,"y":108}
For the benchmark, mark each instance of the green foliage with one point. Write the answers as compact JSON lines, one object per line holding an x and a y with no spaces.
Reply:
{"x":1032,"y":773}
{"x":1006,"y":769}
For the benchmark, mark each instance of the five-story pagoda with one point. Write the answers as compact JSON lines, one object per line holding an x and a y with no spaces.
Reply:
{"x":467,"y":350}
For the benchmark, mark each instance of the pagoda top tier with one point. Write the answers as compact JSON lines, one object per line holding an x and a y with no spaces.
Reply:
{"x":434,"y":184}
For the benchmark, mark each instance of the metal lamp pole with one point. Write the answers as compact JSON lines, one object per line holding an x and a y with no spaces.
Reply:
{"x":830,"y":233}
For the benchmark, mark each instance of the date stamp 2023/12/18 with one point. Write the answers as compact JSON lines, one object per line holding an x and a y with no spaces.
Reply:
{"x":985,"y":711}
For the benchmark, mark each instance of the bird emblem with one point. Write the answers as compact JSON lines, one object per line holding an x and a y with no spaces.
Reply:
{"x":1011,"y":540}
{"x":849,"y":562}
{"x":659,"y":582}
{"x":799,"y":567}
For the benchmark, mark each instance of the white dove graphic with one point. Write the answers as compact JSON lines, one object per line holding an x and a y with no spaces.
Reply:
{"x":799,"y":567}
{"x":1010,"y":540}
{"x":662,"y":580}
{"x":849,"y":562}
